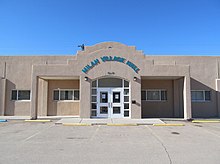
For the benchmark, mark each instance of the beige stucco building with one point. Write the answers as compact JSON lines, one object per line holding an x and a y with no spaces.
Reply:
{"x":110,"y":80}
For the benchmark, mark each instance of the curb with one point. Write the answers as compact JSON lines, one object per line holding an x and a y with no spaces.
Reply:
{"x":99,"y":124}
{"x":3,"y":120}
{"x":37,"y":120}
{"x":168,"y":125}
{"x":76,"y":124}
{"x":112,"y":124}
{"x":205,"y":121}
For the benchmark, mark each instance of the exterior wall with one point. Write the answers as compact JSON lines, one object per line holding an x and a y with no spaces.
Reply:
{"x":27,"y":72}
{"x":18,"y":73}
{"x":159,"y":108}
{"x":204,"y":71}
{"x":62,"y":108}
{"x":207,"y":108}
{"x":118,"y":69}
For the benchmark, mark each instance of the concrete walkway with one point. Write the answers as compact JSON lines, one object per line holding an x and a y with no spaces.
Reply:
{"x":109,"y":121}
{"x":14,"y":117}
{"x":39,"y":117}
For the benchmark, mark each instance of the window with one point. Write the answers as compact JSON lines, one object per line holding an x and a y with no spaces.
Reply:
{"x":200,"y":95}
{"x":65,"y":94}
{"x":143,"y":95}
{"x":21,"y":95}
{"x":154,"y":95}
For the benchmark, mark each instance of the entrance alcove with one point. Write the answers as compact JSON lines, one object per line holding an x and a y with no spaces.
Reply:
{"x":110,"y":98}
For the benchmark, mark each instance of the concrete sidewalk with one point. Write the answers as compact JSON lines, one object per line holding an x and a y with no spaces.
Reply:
{"x":109,"y":121}
{"x":14,"y":117}
{"x":39,"y":117}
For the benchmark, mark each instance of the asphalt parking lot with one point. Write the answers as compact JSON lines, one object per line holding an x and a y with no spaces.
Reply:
{"x":32,"y":142}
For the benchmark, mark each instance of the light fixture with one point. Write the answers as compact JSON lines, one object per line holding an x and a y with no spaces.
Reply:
{"x":86,"y":78}
{"x":135,"y":79}
{"x":111,"y":73}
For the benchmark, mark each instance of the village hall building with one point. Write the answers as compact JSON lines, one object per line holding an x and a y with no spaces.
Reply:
{"x":110,"y":80}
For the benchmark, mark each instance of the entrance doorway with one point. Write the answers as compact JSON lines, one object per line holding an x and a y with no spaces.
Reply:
{"x":110,"y":98}
{"x":110,"y":102}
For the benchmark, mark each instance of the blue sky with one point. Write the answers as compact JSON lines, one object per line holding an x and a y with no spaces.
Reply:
{"x":158,"y":27}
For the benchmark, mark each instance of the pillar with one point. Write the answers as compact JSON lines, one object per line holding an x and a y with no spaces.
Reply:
{"x":85,"y":96}
{"x":187,"y":98}
{"x":178,"y":98}
{"x":2,"y":96}
{"x":34,"y":95}
{"x":136,"y":96}
{"x":218,"y":96}
{"x":42,"y":97}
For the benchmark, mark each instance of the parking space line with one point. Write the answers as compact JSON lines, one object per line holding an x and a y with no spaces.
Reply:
{"x":208,"y":131}
{"x":35,"y":134}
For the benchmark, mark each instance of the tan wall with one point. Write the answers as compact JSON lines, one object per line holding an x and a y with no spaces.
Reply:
{"x":62,"y":108}
{"x":204,"y":70}
{"x":158,"y":108}
{"x":204,"y":109}
{"x":16,"y":108}
{"x":22,"y":72}
{"x":18,"y":74}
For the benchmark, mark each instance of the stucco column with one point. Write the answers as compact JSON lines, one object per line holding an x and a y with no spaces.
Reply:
{"x":85,"y":103}
{"x":136,"y":96}
{"x":187,"y":98}
{"x":34,"y":96}
{"x":178,"y":97}
{"x":2,"y":96}
{"x":218,"y":95}
{"x":42,"y":97}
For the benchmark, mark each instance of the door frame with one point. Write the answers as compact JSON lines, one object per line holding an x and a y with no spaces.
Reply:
{"x":107,"y":104}
{"x":110,"y":103}
{"x":121,"y":104}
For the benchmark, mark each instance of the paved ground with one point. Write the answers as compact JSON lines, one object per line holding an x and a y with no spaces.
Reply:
{"x":25,"y":142}
{"x":110,"y":121}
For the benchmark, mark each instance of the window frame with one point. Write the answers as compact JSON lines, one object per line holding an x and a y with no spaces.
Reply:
{"x":160,"y":95}
{"x":59,"y":91}
{"x":17,"y":91}
{"x":204,"y":98}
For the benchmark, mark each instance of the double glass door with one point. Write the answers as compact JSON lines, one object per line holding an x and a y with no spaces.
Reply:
{"x":110,"y":102}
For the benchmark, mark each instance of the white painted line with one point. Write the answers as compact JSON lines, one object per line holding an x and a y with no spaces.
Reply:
{"x":35,"y":134}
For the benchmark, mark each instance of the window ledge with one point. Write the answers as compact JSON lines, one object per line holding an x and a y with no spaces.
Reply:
{"x":66,"y":100}
{"x":155,"y":100}
{"x":200,"y":101}
{"x":21,"y":100}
